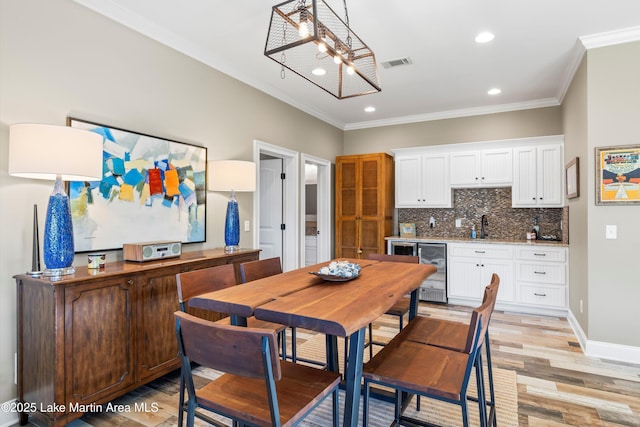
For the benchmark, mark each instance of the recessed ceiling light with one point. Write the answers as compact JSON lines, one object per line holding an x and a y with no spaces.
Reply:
{"x":494,"y":91}
{"x":319,"y":71}
{"x":484,"y":37}
{"x":370,"y":109}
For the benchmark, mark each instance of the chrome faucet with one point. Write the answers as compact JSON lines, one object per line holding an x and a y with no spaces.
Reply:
{"x":483,"y":224}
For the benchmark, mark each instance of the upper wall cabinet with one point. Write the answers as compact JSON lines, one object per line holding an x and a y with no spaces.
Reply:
{"x":538,"y":177}
{"x":422,"y":180}
{"x":486,"y":168}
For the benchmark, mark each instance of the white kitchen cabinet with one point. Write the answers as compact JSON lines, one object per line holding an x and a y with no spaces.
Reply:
{"x":471,"y":265}
{"x":538,"y":177}
{"x":541,"y":276}
{"x":422,"y":180}
{"x":485,"y":168}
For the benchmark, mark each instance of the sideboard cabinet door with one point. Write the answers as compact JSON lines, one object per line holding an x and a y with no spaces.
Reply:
{"x":157,"y":345}
{"x":99,"y":354}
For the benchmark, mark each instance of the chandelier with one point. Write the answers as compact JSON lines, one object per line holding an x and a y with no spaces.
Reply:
{"x":313,"y":42}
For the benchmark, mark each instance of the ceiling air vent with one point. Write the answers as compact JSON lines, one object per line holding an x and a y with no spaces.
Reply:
{"x":397,"y":62}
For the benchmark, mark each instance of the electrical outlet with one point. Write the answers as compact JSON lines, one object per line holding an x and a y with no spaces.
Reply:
{"x":247,"y":226}
{"x":458,"y":222}
{"x":581,"y":308}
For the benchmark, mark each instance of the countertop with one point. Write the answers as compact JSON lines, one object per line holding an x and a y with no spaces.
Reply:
{"x":424,"y":239}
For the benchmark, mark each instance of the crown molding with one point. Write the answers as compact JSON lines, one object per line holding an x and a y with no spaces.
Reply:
{"x":609,"y":38}
{"x":451,"y":114}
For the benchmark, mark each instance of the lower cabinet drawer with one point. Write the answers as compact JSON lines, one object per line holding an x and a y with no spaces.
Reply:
{"x":552,"y":273}
{"x":553,"y":296}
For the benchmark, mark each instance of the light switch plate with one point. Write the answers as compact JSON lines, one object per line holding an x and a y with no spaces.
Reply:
{"x":247,"y":226}
{"x":458,"y":222}
{"x":611,"y":232}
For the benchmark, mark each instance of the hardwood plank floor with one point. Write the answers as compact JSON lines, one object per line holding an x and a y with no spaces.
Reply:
{"x":557,"y":384}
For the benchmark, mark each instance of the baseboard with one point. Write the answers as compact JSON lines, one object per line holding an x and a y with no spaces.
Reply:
{"x":8,"y":417}
{"x":603,"y":350}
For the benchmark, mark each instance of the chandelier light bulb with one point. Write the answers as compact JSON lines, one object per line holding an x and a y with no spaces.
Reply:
{"x":303,"y":30}
{"x":322,"y":47}
{"x":350,"y":70}
{"x":337,"y":59}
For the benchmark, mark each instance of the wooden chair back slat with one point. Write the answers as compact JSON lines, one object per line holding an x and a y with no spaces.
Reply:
{"x":480,"y":316}
{"x":227,"y":348}
{"x":411,"y":259}
{"x":254,"y":270}
{"x":198,"y":282}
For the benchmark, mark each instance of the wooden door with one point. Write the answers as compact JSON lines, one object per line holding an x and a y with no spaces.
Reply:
{"x":364,"y":204}
{"x":347,"y":210}
{"x":157,"y":300}
{"x":99,"y":331}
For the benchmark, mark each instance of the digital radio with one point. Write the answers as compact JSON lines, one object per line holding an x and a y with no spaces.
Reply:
{"x":149,"y":251}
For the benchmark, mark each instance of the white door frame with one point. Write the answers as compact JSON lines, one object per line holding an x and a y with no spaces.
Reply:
{"x":324,"y":207}
{"x":290,"y":241}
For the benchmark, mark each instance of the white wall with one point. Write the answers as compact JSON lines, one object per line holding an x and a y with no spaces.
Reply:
{"x":59,"y":59}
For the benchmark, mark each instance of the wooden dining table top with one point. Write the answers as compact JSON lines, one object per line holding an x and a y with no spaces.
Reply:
{"x":298,"y":298}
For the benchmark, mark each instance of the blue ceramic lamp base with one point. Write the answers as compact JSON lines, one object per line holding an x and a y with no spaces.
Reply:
{"x":58,"y":249}
{"x":232,"y":226}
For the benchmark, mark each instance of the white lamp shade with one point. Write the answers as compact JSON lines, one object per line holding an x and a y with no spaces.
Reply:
{"x":231,"y":175}
{"x":43,"y":151}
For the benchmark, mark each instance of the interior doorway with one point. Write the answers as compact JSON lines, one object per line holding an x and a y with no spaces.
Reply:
{"x":288,"y":209}
{"x":317,"y":232}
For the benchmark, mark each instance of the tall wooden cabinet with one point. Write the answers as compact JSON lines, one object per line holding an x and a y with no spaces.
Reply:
{"x":98,"y":334}
{"x":364,"y":204}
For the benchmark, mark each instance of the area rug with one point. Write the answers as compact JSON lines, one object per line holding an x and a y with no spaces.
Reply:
{"x":432,"y":411}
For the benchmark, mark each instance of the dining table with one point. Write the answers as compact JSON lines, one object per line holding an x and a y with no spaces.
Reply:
{"x":300,"y":298}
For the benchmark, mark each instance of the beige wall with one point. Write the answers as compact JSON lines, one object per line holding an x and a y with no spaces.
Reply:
{"x":59,"y":59}
{"x":575,"y":126}
{"x":516,"y":124}
{"x":613,"y":103}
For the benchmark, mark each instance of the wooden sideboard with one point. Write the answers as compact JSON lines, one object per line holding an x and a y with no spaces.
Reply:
{"x":98,"y":334}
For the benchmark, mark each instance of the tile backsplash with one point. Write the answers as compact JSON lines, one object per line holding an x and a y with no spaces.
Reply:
{"x":504,"y":222}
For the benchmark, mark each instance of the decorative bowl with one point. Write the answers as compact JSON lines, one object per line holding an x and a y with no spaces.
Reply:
{"x":338,"y":271}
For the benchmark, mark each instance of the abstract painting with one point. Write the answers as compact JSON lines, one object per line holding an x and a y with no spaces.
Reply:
{"x":151,"y":189}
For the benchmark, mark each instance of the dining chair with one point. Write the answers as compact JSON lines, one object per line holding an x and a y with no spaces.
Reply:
{"x":256,"y":388}
{"x":254,"y":270}
{"x":198,"y":282}
{"x":401,"y":307}
{"x":452,"y":335}
{"x":430,"y":371}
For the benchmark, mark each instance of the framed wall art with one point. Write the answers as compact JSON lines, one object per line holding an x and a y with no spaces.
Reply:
{"x":618,"y":175}
{"x":151,"y":189}
{"x":572,"y":178}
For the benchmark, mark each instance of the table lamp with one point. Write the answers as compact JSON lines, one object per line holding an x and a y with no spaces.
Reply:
{"x":231,"y":175}
{"x":57,"y":153}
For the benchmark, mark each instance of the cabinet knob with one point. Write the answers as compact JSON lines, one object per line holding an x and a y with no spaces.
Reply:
{"x":533,"y":198}
{"x":129,"y":282}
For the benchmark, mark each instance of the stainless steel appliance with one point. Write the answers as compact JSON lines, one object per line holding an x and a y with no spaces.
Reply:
{"x":401,"y":247}
{"x":434,"y":288}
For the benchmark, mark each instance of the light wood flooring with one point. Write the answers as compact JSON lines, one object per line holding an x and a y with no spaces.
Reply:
{"x":557,"y":384}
